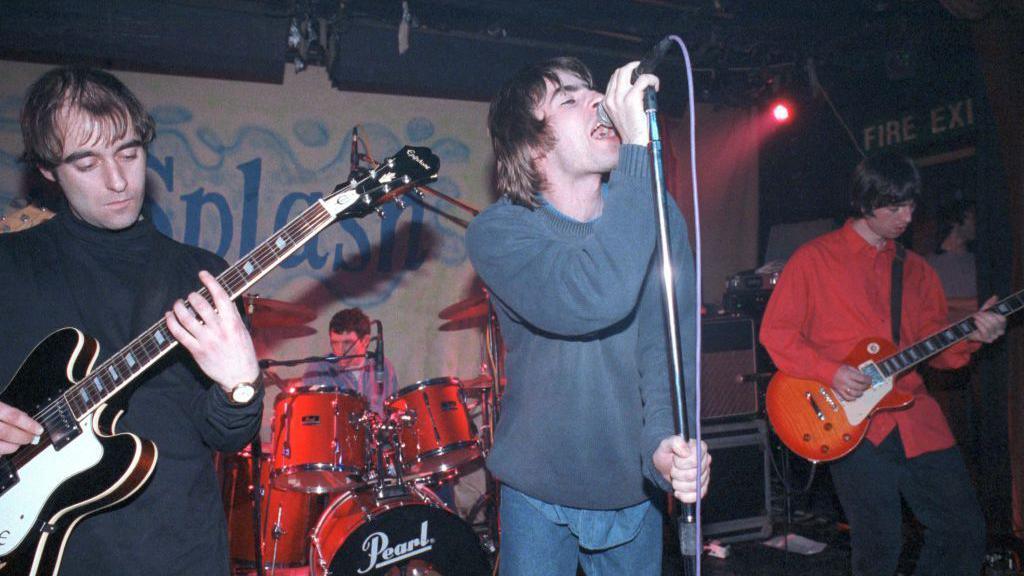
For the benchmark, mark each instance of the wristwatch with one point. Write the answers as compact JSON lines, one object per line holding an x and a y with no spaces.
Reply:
{"x":244,"y":393}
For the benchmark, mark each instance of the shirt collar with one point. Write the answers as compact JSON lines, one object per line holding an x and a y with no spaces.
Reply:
{"x":853,"y":238}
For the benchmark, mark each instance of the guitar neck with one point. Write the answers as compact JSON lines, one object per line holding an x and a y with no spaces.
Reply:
{"x":922,"y":350}
{"x":410,"y":166}
{"x":122,"y":368}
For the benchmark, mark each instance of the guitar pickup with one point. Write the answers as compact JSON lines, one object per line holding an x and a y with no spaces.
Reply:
{"x":61,"y":427}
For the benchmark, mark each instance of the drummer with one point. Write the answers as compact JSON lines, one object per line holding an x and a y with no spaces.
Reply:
{"x":357,"y":370}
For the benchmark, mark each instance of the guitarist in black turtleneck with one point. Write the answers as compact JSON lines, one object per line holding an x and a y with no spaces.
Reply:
{"x":100,"y":267}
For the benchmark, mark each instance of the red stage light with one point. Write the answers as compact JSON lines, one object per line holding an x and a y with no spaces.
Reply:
{"x":781,"y":112}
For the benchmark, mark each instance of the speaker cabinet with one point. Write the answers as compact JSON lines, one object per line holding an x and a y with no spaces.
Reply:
{"x":738,"y":501}
{"x":729,"y":362}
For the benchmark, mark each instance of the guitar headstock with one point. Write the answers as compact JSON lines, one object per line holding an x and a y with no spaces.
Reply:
{"x":393,"y":177}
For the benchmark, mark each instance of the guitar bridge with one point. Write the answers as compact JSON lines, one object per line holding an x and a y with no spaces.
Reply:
{"x":61,"y":426}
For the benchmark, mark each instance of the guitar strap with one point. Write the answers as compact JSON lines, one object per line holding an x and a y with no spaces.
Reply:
{"x":896,"y":292}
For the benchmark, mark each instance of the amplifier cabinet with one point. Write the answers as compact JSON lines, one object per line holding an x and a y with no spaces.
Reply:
{"x":729,"y":361}
{"x":738,"y":501}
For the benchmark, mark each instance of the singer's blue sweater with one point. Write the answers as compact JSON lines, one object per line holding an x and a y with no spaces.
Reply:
{"x":588,"y":396}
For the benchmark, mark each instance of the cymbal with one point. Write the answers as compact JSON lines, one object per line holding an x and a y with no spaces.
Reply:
{"x":270,"y":377}
{"x":268,"y":313}
{"x":456,"y":325}
{"x":274,"y":333}
{"x":481,"y":381}
{"x":473,"y":307}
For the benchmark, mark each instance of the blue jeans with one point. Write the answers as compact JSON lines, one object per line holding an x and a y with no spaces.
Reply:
{"x":543,"y":539}
{"x":869,"y":483}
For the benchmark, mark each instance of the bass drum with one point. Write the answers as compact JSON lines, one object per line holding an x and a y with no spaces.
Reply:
{"x":412,"y":533}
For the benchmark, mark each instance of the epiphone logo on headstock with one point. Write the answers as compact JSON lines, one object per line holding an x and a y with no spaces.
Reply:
{"x":382,"y":554}
{"x":412,"y":154}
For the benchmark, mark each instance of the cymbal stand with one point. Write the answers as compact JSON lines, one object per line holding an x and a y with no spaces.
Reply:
{"x":490,"y":412}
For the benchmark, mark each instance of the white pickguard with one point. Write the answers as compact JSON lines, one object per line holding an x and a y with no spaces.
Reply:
{"x":859,"y":409}
{"x":20,"y":506}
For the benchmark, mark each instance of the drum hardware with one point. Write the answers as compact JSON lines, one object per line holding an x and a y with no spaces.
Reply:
{"x":275,"y":534}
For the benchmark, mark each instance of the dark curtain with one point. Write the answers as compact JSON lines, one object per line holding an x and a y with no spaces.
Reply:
{"x":999,"y":43}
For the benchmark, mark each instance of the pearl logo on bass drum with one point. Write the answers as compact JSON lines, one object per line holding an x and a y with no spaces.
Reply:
{"x":380,"y":554}
{"x":363,"y":533}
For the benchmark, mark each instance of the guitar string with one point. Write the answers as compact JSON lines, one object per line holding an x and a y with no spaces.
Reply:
{"x":232,"y":279}
{"x":1012,"y":303}
{"x":262,"y":255}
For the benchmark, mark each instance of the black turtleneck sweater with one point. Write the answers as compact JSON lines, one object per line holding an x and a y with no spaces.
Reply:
{"x":112,"y":286}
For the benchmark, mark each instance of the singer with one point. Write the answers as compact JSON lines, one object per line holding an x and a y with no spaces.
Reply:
{"x":349,"y":336}
{"x":586,"y":441}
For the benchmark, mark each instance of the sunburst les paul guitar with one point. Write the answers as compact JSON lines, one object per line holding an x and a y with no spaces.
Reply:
{"x":815,"y":423}
{"x":81,"y":464}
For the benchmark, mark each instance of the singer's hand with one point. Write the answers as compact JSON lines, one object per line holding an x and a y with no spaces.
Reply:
{"x":676,"y":461}
{"x":624,"y":103}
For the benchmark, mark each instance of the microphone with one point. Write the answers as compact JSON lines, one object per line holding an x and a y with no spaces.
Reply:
{"x":353,"y":158}
{"x":378,"y":356}
{"x":647,"y":65}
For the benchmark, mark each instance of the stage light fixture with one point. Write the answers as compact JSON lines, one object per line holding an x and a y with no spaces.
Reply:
{"x":782,"y":111}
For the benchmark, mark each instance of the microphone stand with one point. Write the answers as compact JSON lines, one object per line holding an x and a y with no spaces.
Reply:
{"x":689,"y":528}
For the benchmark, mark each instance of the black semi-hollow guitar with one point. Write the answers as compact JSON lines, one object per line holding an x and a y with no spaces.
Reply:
{"x":80,"y":464}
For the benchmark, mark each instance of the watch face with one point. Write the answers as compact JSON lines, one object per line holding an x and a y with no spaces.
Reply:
{"x":243,"y":393}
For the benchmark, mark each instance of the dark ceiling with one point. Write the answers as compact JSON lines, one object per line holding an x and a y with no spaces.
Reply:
{"x":463,"y":48}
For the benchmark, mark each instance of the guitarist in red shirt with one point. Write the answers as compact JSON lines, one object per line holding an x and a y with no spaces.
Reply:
{"x":835,"y":291}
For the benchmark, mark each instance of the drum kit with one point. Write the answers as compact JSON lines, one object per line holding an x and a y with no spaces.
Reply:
{"x":342,"y":490}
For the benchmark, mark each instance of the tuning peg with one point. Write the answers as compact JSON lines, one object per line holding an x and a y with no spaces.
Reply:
{"x":379,"y":211}
{"x":400,"y":203}
{"x":419,"y":193}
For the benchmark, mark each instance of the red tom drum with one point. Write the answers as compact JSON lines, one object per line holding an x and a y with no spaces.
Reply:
{"x":319,"y":444}
{"x":441,"y":437}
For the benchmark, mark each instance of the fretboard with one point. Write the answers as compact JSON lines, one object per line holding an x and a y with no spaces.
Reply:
{"x":922,"y":350}
{"x":119,"y":370}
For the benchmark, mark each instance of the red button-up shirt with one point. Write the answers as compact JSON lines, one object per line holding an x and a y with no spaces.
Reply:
{"x":833,"y":293}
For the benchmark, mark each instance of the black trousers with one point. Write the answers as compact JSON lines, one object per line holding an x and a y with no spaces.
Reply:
{"x":938,"y":490}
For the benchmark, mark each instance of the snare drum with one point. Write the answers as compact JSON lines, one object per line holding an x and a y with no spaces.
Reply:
{"x":318,"y":440}
{"x":441,"y":437}
{"x":285,"y":516}
{"x":412,"y":533}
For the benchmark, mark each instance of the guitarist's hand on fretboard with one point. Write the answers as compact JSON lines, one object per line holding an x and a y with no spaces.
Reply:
{"x":16,"y":429}
{"x":988,"y":325}
{"x":215,"y":336}
{"x":849,"y":383}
